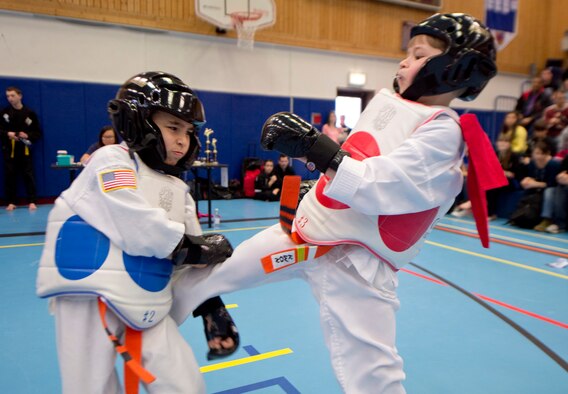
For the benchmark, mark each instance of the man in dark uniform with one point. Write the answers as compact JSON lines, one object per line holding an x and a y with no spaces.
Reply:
{"x":19,"y":128}
{"x":282,"y":169}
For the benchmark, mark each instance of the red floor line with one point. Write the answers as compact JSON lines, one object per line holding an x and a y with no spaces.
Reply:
{"x":439,"y":282}
{"x":503,"y":242}
{"x":524,"y":312}
{"x":493,"y":301}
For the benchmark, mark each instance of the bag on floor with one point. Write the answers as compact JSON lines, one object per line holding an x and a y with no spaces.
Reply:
{"x":527,"y":213}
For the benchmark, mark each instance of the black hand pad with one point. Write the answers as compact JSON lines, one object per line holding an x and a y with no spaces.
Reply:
{"x":289,"y":134}
{"x":207,"y":249}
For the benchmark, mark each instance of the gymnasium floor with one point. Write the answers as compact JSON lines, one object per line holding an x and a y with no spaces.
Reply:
{"x":450,"y":343}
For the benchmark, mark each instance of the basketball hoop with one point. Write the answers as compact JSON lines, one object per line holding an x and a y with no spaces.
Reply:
{"x":246,"y":16}
{"x":245,"y":29}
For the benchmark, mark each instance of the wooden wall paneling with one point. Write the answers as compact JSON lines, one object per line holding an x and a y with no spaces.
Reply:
{"x":368,"y":27}
{"x":557,"y":22}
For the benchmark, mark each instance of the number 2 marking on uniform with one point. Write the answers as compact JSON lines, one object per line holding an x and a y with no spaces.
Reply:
{"x":149,"y":316}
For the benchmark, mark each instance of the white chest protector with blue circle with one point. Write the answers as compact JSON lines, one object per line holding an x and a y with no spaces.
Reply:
{"x":79,"y":260}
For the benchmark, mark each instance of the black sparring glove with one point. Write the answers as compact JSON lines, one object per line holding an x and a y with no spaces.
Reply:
{"x":293,"y":136}
{"x":206,"y":249}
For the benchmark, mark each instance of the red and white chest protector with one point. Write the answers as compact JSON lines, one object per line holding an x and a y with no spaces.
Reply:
{"x":385,"y":124}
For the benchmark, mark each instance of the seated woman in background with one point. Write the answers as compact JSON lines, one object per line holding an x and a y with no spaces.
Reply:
{"x":514,"y":132}
{"x":266,"y":185}
{"x":107,"y":136}
{"x":337,"y":134}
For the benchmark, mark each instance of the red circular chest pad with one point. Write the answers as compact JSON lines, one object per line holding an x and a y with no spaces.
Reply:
{"x":398,"y":232}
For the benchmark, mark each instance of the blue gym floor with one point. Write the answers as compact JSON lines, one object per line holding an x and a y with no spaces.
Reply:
{"x":449,"y":342}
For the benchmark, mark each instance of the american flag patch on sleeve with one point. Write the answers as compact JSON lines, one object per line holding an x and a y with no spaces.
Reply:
{"x":117,"y":179}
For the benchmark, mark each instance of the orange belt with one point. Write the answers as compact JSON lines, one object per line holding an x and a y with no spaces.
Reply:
{"x":131,"y":352}
{"x":288,"y":205}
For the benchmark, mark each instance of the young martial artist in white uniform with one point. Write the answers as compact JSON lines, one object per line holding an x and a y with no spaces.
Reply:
{"x":112,"y":237}
{"x":393,"y":178}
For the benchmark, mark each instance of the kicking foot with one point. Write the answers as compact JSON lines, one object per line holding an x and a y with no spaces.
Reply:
{"x":32,"y":207}
{"x":10,"y":207}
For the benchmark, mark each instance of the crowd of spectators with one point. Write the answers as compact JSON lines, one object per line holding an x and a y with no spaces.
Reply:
{"x":532,"y":147}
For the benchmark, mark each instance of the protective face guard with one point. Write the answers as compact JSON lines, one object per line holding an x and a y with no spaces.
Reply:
{"x":131,"y":115}
{"x":468,"y":61}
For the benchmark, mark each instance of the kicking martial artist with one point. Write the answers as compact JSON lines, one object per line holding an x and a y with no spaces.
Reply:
{"x":395,"y":176}
{"x":113,"y":240}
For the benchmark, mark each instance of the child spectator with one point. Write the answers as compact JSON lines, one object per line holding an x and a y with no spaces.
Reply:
{"x":540,"y":133}
{"x":540,"y":177}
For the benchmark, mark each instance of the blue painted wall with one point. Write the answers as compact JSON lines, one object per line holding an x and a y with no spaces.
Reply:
{"x":72,"y":113}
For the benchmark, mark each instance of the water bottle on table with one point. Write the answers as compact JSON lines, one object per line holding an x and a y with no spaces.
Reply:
{"x":216,"y":219}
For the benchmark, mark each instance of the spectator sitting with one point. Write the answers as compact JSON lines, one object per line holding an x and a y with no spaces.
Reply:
{"x":462,"y":204}
{"x":514,"y":132}
{"x":556,"y":115}
{"x":532,"y":102}
{"x":540,"y":133}
{"x":560,"y":200}
{"x":266,"y":184}
{"x":562,"y":145}
{"x":549,"y":80}
{"x":107,"y":136}
{"x":284,"y":168}
{"x":511,"y":163}
{"x":540,"y":177}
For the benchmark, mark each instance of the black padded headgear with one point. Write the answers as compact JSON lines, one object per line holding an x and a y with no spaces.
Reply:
{"x":468,"y":61}
{"x":131,"y":115}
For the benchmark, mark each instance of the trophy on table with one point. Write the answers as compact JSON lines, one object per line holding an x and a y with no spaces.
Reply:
{"x":214,"y":144}
{"x":207,"y":133}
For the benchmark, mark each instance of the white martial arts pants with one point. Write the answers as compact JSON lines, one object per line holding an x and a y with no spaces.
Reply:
{"x":87,"y":356}
{"x":357,"y":317}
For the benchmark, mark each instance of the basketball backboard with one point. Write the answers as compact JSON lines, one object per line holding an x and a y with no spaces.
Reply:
{"x":222,"y":13}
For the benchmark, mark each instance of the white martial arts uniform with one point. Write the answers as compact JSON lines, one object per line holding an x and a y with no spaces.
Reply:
{"x":146,"y":216}
{"x":355,"y":289}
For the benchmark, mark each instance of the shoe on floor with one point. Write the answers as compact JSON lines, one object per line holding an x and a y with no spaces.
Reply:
{"x":460,"y":213}
{"x":542,"y":225}
{"x":553,"y":229}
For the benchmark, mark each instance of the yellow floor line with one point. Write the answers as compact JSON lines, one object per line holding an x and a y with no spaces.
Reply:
{"x":236,"y":229}
{"x":503,"y":261}
{"x":245,"y":360}
{"x":206,"y":232}
{"x":21,"y":245}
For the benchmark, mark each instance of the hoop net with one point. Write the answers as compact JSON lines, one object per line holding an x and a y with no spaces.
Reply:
{"x":245,"y":30}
